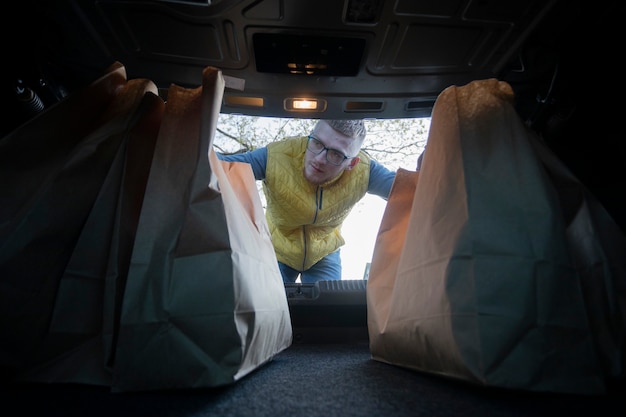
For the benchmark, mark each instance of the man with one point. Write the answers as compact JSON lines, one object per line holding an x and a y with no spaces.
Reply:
{"x":311,"y":184}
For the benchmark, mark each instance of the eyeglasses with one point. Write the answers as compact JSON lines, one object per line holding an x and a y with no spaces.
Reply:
{"x":333,"y":156}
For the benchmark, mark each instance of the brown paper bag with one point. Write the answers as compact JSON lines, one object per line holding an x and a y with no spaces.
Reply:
{"x":486,"y":289}
{"x":598,"y":249}
{"x":389,"y":244}
{"x":57,"y":167}
{"x":82,"y":326}
{"x":204,"y":302}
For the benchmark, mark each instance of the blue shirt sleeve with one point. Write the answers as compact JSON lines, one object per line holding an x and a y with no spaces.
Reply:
{"x":381,"y":179}
{"x":256,"y":158}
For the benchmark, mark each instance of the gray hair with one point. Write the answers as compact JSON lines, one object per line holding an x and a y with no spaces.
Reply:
{"x":352,"y":128}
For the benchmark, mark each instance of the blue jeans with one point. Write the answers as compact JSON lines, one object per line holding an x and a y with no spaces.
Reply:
{"x":327,"y":269}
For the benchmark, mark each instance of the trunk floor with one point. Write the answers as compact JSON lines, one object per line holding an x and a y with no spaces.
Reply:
{"x":313,"y":380}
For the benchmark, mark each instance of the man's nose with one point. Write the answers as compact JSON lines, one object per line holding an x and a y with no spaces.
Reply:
{"x":321,"y":157}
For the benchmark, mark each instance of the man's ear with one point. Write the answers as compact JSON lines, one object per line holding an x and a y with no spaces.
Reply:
{"x":353,"y":163}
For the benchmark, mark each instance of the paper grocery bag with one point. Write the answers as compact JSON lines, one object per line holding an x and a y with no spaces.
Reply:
{"x":204,"y":303}
{"x":389,"y":245}
{"x":58,"y":188}
{"x":485,"y":288}
{"x":598,"y":250}
{"x":82,"y":325}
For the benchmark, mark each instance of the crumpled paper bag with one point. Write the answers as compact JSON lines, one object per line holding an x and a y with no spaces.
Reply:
{"x":485,"y":286}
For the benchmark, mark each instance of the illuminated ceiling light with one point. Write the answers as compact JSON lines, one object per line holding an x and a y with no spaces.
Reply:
{"x":305,"y":104}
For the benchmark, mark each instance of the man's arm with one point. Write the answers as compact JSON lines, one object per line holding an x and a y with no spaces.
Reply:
{"x":256,"y":158}
{"x":381,"y":179}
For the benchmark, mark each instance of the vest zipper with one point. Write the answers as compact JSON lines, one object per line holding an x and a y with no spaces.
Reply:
{"x":305,"y":246}
{"x":318,"y":201}
{"x":319,"y":196}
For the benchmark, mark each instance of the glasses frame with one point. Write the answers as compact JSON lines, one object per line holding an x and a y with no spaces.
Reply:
{"x":324,"y":148}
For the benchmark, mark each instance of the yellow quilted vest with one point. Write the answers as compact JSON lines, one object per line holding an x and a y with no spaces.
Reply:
{"x":305,"y":219}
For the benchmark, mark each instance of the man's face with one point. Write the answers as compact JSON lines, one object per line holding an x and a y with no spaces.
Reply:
{"x":317,"y":169}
